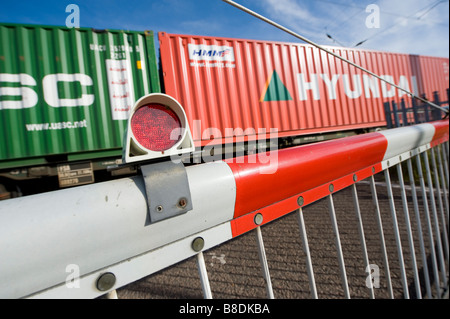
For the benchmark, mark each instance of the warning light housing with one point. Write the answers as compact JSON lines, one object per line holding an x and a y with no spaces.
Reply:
{"x":157,"y":127}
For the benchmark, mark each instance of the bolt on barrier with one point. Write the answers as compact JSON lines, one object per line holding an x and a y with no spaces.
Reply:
{"x":104,"y":230}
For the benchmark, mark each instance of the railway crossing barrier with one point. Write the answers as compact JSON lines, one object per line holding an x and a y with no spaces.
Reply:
{"x":88,"y":241}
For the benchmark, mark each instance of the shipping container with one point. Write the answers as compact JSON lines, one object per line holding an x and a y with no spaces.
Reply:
{"x":234,"y":88}
{"x":65,"y":94}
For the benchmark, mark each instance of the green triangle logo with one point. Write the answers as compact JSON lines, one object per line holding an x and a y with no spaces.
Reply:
{"x":275,"y":90}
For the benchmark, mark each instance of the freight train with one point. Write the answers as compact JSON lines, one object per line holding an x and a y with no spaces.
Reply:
{"x":65,"y":96}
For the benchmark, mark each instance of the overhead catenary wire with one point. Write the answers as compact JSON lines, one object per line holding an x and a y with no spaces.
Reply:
{"x":298,"y":36}
{"x":430,"y":8}
{"x":336,"y":24}
{"x":427,"y":8}
{"x":334,"y":40}
{"x":395,"y":14}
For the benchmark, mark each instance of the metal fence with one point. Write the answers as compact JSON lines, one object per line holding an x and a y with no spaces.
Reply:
{"x":93,"y":240}
{"x":402,"y":114}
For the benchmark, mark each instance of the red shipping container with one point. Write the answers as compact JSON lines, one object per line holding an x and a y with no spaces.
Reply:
{"x":234,"y":88}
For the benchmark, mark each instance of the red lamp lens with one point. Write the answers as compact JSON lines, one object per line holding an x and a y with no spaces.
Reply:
{"x":156,"y":127}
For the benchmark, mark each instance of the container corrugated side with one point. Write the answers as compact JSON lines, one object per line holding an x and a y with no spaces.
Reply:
{"x":68,"y":91}
{"x":232,"y":85}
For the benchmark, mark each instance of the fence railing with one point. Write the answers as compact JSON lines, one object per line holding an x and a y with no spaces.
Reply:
{"x":402,"y":114}
{"x":91,"y":240}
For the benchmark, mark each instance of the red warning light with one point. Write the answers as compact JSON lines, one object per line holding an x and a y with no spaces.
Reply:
{"x":156,"y":127}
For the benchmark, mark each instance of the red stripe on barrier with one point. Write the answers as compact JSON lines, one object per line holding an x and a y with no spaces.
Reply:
{"x":302,"y":168}
{"x":441,"y":133}
{"x":246,"y":222}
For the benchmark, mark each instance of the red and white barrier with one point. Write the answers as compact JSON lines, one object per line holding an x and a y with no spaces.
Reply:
{"x":308,"y":171}
{"x":104,"y":227}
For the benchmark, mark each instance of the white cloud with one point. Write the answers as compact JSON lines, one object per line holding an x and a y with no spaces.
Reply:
{"x":413,"y":26}
{"x":412,"y":31}
{"x":293,"y":14}
{"x":288,"y":9}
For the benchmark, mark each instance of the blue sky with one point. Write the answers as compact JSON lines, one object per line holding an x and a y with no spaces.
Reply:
{"x":406,"y":26}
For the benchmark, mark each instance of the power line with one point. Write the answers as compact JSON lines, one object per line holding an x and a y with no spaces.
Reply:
{"x":432,"y":7}
{"x":343,"y":22}
{"x":333,"y":39}
{"x":349,"y":5}
{"x":429,"y":8}
{"x":337,"y":26}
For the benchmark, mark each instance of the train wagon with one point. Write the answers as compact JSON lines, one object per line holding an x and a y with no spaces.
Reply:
{"x":65,"y":95}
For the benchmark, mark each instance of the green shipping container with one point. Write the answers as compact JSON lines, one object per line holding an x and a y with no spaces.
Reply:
{"x":65,"y":93}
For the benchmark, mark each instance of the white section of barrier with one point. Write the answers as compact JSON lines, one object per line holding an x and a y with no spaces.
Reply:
{"x":97,"y":225}
{"x":139,"y":266}
{"x":404,"y":139}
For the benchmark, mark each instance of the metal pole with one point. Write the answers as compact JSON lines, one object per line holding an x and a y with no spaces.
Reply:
{"x":112,"y":295}
{"x":264,"y":264}
{"x":429,"y":227}
{"x":435,"y":219}
{"x":383,"y":243}
{"x":338,"y":247}
{"x":309,"y":267}
{"x":444,"y":184}
{"x":397,"y":234}
{"x":409,"y":231}
{"x":419,"y":229}
{"x":441,"y":207}
{"x":361,"y":236}
{"x":256,"y":15}
{"x":203,"y":276}
{"x":445,"y":157}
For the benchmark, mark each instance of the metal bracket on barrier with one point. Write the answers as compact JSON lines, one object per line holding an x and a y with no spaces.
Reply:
{"x":167,"y":189}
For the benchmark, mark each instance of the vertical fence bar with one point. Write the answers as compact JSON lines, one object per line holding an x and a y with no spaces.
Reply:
{"x":426,"y":111}
{"x":395,"y":111}
{"x":383,"y":243}
{"x":112,"y":295}
{"x":264,"y":264}
{"x":388,"y":114}
{"x":441,"y":207}
{"x":404,"y":112}
{"x":445,"y":158}
{"x":442,"y":147}
{"x":397,"y":234}
{"x":419,"y":229}
{"x":203,"y":276}
{"x":415,"y":108}
{"x":409,"y":231}
{"x":435,"y":219}
{"x":435,"y":113}
{"x":361,"y":235}
{"x":429,"y":227}
{"x":309,"y":267}
{"x":443,"y":181}
{"x":338,"y":245}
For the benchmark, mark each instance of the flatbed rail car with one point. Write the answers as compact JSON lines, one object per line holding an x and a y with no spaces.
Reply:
{"x":65,"y":96}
